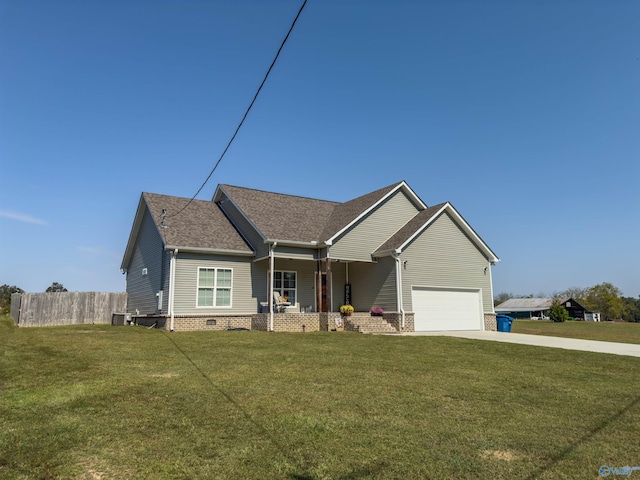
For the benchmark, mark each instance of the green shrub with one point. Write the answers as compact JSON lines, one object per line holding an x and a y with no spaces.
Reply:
{"x":558,"y":313}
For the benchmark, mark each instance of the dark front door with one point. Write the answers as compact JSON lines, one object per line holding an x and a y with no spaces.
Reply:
{"x":321,"y":297}
{"x":324,"y":292}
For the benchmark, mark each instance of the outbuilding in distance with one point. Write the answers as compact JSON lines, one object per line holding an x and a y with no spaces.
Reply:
{"x":538,"y":308}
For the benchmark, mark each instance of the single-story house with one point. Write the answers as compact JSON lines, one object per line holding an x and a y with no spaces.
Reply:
{"x":538,"y":308}
{"x":270,"y":261}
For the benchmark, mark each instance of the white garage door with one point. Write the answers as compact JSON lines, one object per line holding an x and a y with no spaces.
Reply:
{"x":447,"y":309}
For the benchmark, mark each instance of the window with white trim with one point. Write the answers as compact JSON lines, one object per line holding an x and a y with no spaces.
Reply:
{"x":285,"y":283}
{"x":214,"y":287}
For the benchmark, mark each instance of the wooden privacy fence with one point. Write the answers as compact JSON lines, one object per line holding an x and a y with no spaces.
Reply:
{"x":65,"y":308}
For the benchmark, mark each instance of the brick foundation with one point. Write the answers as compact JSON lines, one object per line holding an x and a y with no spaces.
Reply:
{"x":260,"y":322}
{"x":395,"y":320}
{"x":289,"y":322}
{"x":191,"y":323}
{"x":323,"y":321}
{"x":282,"y":322}
{"x":490,"y":322}
{"x":187,"y":323}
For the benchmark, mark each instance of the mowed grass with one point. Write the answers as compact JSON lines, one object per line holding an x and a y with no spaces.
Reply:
{"x":102,"y":402}
{"x":624,"y":332}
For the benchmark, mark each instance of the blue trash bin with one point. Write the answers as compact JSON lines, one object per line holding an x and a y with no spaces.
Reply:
{"x":504,"y":323}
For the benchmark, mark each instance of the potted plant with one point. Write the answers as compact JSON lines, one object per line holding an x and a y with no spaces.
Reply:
{"x":377,"y":312}
{"x":346,"y":310}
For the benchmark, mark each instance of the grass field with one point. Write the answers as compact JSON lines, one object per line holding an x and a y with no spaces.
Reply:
{"x":605,"y":331}
{"x":101,"y":402}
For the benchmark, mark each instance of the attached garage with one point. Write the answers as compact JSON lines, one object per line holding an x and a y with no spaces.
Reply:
{"x":447,"y":309}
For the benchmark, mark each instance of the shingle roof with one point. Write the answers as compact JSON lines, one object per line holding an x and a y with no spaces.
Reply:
{"x":410,"y":228}
{"x":279,"y":217}
{"x":282,"y":217}
{"x":300,"y":219}
{"x":345,"y":213}
{"x":201,"y":225}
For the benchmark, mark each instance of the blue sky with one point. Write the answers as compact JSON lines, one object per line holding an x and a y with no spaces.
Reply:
{"x":524,"y":115}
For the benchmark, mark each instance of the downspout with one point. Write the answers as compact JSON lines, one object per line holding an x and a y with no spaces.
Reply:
{"x":329,"y":284}
{"x":271,"y":267}
{"x":172,"y":284}
{"x":162,"y":273}
{"x":396,"y":256}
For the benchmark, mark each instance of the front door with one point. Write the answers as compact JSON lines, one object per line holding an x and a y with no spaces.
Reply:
{"x":324,"y":292}
{"x":321,"y":294}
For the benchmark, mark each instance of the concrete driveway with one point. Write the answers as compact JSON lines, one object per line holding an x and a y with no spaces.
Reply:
{"x":629,"y":349}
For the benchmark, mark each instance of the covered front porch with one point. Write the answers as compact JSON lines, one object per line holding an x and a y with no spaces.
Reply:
{"x":296,"y":285}
{"x":324,"y":284}
{"x":304,"y":289}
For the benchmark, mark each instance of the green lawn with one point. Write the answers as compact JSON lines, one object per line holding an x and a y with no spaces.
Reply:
{"x":605,"y":331}
{"x":102,"y":402}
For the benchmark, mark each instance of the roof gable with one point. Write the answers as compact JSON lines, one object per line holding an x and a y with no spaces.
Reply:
{"x":403,"y":237}
{"x":419,"y":221}
{"x":345,"y":215}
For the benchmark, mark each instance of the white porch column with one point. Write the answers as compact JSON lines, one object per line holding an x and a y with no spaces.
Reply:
{"x":396,"y":256}
{"x":271,"y":267}
{"x":172,"y":286}
{"x":329,"y":285}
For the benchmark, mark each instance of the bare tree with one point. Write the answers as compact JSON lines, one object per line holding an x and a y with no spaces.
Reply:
{"x":502,"y":297}
{"x":577,"y":293}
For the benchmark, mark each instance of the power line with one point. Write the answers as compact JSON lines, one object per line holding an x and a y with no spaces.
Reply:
{"x":245,"y":113}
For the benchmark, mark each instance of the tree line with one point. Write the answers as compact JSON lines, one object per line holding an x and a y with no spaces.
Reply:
{"x":7,"y":290}
{"x":604,"y":298}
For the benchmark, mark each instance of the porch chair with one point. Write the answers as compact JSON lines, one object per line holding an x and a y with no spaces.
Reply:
{"x":278,"y":303}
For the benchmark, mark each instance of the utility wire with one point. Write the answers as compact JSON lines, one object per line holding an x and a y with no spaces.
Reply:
{"x":245,"y":114}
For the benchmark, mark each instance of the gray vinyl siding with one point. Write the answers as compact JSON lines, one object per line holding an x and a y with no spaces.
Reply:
{"x":443,"y":256}
{"x":297,"y":253}
{"x":249,"y":282}
{"x":243,"y":300}
{"x":305,"y":279}
{"x":373,"y":285}
{"x":142,"y":289}
{"x":374,"y":229}
{"x":244,"y":227}
{"x":259,"y":280}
